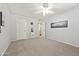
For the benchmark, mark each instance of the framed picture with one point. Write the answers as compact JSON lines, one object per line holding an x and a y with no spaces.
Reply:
{"x":60,"y":24}
{"x":0,"y":21}
{"x":0,"y":18}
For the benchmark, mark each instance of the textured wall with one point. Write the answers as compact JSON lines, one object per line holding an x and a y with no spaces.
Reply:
{"x":5,"y":35}
{"x":68,"y":35}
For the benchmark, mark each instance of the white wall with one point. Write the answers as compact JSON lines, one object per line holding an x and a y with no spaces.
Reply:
{"x":5,"y":35}
{"x":68,"y":35}
{"x":12,"y":27}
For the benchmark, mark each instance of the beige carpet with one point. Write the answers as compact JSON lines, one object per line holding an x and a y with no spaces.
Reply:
{"x":40,"y":47}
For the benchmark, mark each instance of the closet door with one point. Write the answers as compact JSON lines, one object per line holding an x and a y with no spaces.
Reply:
{"x":21,"y":26}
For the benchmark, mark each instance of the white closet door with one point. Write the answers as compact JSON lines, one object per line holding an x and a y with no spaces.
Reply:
{"x":21,"y":29}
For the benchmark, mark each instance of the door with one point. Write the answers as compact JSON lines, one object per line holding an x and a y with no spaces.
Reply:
{"x":33,"y":28}
{"x":41,"y":29}
{"x":21,"y":26}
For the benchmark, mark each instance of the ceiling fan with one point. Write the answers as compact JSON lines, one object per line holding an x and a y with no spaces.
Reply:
{"x":45,"y":9}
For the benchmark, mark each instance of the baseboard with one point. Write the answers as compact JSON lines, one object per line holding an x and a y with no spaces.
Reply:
{"x":5,"y":49}
{"x":66,"y":43}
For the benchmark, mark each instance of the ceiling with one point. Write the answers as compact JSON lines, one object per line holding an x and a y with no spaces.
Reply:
{"x":31,"y":9}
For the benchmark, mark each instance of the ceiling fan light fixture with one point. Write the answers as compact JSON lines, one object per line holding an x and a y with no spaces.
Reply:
{"x":46,"y":8}
{"x":45,"y":5}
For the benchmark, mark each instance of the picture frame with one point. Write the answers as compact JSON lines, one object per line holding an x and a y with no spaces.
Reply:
{"x":60,"y":24}
{"x":1,"y":19}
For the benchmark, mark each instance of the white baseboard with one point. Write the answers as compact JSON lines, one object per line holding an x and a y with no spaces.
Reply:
{"x":66,"y":43}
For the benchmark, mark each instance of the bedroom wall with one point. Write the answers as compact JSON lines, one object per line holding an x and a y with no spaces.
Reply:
{"x":5,"y":30}
{"x":12,"y":27}
{"x":68,"y":35}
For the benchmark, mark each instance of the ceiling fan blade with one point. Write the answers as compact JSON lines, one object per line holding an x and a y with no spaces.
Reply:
{"x":38,"y":12}
{"x":51,"y":12}
{"x":49,"y":8}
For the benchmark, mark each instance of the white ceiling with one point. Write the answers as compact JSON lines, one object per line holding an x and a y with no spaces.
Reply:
{"x":30,"y":9}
